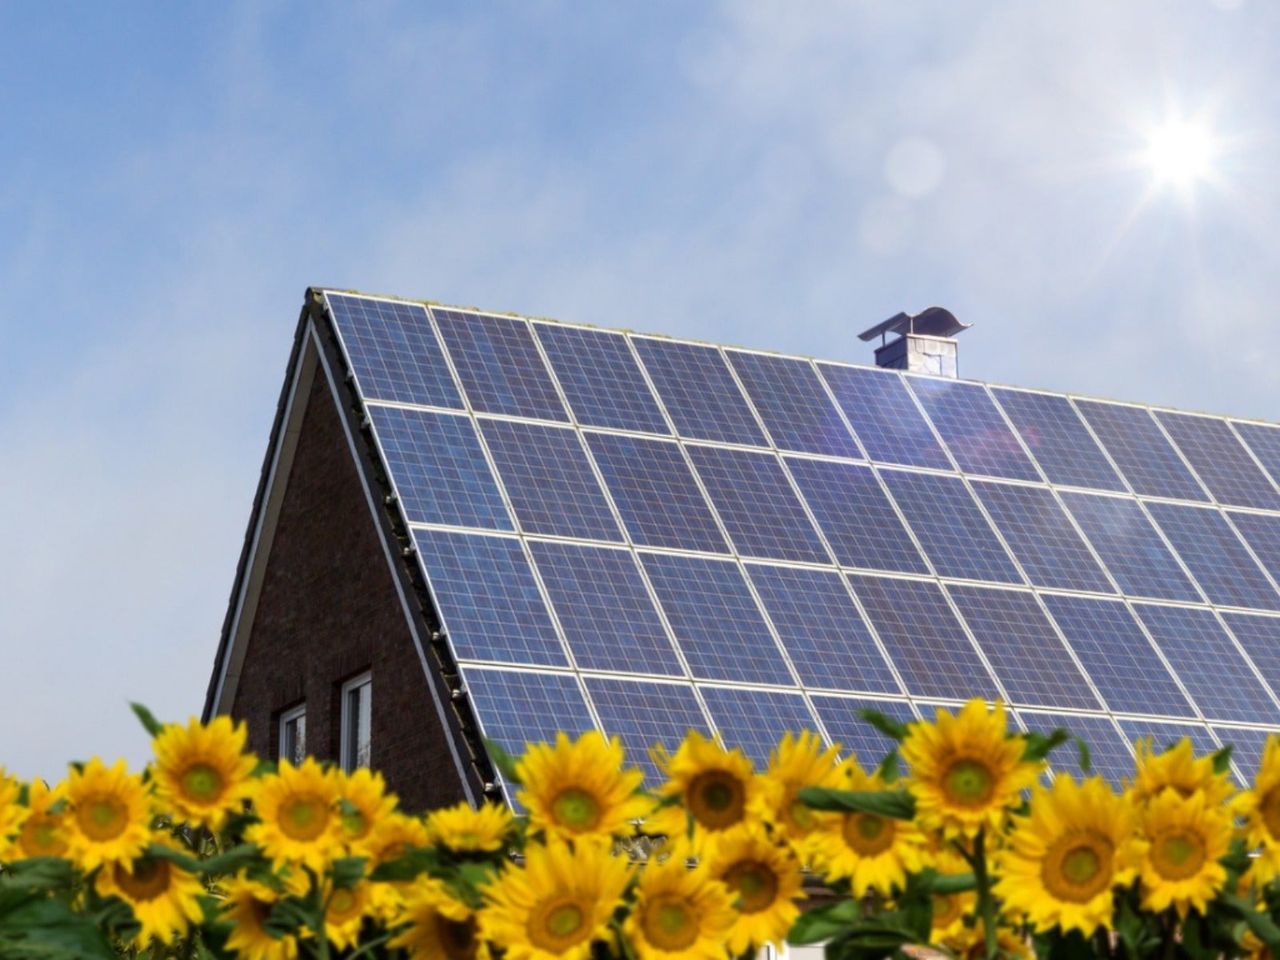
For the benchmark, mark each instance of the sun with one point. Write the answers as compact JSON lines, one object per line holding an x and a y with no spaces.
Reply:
{"x":1181,"y":152}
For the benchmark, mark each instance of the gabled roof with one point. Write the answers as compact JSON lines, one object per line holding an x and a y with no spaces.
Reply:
{"x":646,"y":534}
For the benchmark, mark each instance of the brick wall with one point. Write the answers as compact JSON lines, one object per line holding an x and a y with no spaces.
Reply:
{"x":329,"y":610}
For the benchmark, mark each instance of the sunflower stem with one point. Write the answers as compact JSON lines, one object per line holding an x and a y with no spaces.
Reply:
{"x":986,"y":904}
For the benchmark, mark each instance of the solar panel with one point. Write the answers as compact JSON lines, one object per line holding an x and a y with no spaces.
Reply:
{"x":699,"y":392}
{"x":1221,"y":460}
{"x":393,"y":351}
{"x":1247,"y":744}
{"x":1035,"y":526}
{"x":549,"y":480}
{"x":439,"y":467}
{"x":1143,"y":453}
{"x":1130,"y":547}
{"x":955,"y":535}
{"x":760,"y":510}
{"x":791,"y":401}
{"x":1215,"y":556}
{"x":1058,"y":439}
{"x":1109,"y":753}
{"x":855,"y":514}
{"x":924,"y":639}
{"x":499,"y":365}
{"x":884,"y":416}
{"x":570,"y":544}
{"x":973,"y":429}
{"x":601,"y":378}
{"x":1165,"y":735}
{"x":716,"y":620}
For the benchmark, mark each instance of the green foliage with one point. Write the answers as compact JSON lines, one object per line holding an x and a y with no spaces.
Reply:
{"x":895,"y":804}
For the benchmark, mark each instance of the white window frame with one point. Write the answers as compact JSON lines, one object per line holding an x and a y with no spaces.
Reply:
{"x":346,"y":751}
{"x":292,"y":715}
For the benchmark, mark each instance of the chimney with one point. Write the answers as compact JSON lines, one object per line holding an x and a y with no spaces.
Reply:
{"x":926,"y":342}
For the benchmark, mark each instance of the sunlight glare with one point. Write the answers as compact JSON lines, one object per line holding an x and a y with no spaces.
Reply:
{"x":1180,"y":153}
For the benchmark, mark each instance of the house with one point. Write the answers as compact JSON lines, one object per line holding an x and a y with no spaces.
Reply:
{"x":473,"y":525}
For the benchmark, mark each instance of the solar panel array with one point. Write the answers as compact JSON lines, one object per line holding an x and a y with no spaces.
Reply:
{"x":644,"y":535}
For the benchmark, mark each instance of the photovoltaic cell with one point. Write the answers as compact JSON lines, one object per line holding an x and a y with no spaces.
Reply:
{"x":394,"y":351}
{"x":1164,"y":735}
{"x":755,"y":720}
{"x":838,"y":715}
{"x":1221,"y":460}
{"x":499,"y":365}
{"x":642,"y":714}
{"x":1247,"y":745}
{"x":1260,"y":637}
{"x":759,"y":508}
{"x":821,"y":629}
{"x":1118,"y":656}
{"x":924,"y":639}
{"x":884,"y":416}
{"x":1109,"y":753}
{"x":855,"y":514}
{"x":601,"y":378}
{"x":549,"y":480}
{"x":1023,"y":649}
{"x":955,"y":535}
{"x":972,"y":428}
{"x":793,"y":405}
{"x":1208,"y":663}
{"x":715,"y":619}
{"x":486,"y":593}
{"x":699,"y":392}
{"x":439,"y":468}
{"x":1140,"y":450}
{"x":1130,"y":547}
{"x":1264,"y":441}
{"x":1037,"y":530}
{"x":656,"y":493}
{"x":604,"y":609}
{"x":1215,"y":556}
{"x":1262,"y":532}
{"x":518,"y":707}
{"x":1058,"y":439}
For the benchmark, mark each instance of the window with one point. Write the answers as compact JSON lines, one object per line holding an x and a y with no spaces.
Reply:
{"x":357,"y":716}
{"x":293,"y":734}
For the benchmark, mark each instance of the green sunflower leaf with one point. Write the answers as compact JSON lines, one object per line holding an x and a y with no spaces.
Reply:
{"x":147,"y":718}
{"x":891,"y":728}
{"x":503,"y":761}
{"x":1039,"y":745}
{"x":895,"y":804}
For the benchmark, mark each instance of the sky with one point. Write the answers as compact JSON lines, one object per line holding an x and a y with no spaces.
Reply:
{"x":771,"y":174}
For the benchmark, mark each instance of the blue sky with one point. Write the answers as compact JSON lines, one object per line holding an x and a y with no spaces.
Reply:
{"x":772,"y":174}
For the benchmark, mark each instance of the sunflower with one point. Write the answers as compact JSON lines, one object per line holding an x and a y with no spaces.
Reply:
{"x":12,"y":814}
{"x":440,"y":926}
{"x":1260,"y":807}
{"x":970,"y":944}
{"x":246,"y":908}
{"x":300,"y":821}
{"x":110,"y":815}
{"x":364,"y":802}
{"x":163,"y":897}
{"x":950,"y":909}
{"x":715,"y":786}
{"x":1177,"y":768}
{"x":345,"y":911}
{"x":202,"y":772}
{"x":966,"y":769}
{"x":798,"y":762}
{"x":874,"y":852}
{"x":680,"y":914}
{"x":764,"y":878}
{"x":557,"y":905}
{"x":579,"y":788}
{"x":1185,"y":840}
{"x":44,"y":834}
{"x":1060,"y":864}
{"x":464,"y":829}
{"x":394,"y":835}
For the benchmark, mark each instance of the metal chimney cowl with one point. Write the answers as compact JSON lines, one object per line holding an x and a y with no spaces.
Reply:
{"x":926,"y":343}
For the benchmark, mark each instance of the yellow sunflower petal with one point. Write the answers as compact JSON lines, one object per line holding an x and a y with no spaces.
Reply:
{"x":580,"y":788}
{"x":798,"y":762}
{"x":716,"y":788}
{"x":163,"y":897}
{"x":764,"y":879}
{"x":44,"y":832}
{"x":465,"y":829}
{"x":109,"y":815}
{"x":680,"y":913}
{"x":440,"y":926}
{"x":201,"y":770}
{"x":299,"y":820}
{"x":12,"y":815}
{"x":1186,"y":837}
{"x":246,"y":907}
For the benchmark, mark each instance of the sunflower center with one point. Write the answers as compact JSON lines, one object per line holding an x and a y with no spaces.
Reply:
{"x":717,"y":799}
{"x":40,"y":838}
{"x":344,"y":905}
{"x":868,"y":834}
{"x":202,"y":782}
{"x":669,"y":924}
{"x":149,"y":879}
{"x":102,"y":818}
{"x":1077,"y":866}
{"x":1270,"y":809}
{"x":356,"y":824}
{"x":303,"y":817}
{"x":968,"y":782}
{"x":457,"y":937}
{"x":558,"y":925}
{"x":1178,"y":854}
{"x":946,"y":910}
{"x":755,"y":884}
{"x":576,"y":809}
{"x":800,"y":814}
